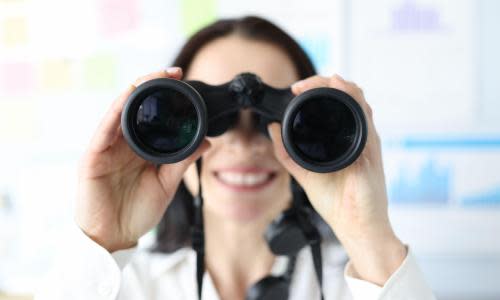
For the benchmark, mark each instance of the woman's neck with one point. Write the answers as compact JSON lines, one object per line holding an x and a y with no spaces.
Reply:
{"x":236,"y":254}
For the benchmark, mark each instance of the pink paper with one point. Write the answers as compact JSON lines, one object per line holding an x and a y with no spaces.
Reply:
{"x":17,"y":78}
{"x":118,"y":16}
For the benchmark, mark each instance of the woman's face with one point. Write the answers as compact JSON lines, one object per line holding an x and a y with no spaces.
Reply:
{"x":241,"y":179}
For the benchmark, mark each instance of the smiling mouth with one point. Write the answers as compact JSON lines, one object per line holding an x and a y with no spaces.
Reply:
{"x":245,"y":181}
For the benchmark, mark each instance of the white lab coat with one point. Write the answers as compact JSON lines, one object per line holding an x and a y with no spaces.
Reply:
{"x":87,"y":271}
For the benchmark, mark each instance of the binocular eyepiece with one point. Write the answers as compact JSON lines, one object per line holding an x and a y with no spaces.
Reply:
{"x":165,"y":120}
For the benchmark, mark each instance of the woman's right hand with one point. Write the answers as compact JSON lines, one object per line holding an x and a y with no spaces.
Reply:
{"x":120,"y":195}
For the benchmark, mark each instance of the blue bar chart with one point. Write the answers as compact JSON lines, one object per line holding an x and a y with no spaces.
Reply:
{"x":431,"y":185}
{"x":488,"y":197}
{"x":454,"y":171}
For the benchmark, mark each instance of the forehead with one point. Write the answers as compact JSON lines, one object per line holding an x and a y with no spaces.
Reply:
{"x":223,"y":58}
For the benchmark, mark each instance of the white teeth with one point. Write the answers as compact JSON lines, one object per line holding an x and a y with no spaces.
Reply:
{"x":243,"y":178}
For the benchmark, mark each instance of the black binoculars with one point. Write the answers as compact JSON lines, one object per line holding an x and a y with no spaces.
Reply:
{"x":165,"y":120}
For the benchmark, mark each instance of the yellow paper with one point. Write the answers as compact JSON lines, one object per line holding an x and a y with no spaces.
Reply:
{"x":100,"y":71}
{"x":15,"y":31}
{"x":56,"y":75}
{"x":196,"y":14}
{"x":12,"y":297}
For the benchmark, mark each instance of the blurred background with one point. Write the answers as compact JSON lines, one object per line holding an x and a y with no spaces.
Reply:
{"x":428,"y":68}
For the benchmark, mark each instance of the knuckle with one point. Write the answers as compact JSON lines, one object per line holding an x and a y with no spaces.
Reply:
{"x":360,"y":90}
{"x":139,"y":80}
{"x":369,"y":109}
{"x":319,"y":79}
{"x":353,"y":87}
{"x":334,"y":81}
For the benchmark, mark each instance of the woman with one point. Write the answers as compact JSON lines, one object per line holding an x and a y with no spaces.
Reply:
{"x":246,"y":183}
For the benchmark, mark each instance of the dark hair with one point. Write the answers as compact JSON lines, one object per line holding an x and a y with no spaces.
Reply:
{"x":173,"y":232}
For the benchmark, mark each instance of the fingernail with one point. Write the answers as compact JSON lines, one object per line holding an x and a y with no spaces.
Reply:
{"x":173,"y":70}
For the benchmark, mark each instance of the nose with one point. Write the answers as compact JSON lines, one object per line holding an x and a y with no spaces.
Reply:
{"x":244,"y":135}
{"x":245,"y":123}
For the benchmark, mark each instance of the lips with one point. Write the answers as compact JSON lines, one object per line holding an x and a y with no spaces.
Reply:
{"x":245,"y":178}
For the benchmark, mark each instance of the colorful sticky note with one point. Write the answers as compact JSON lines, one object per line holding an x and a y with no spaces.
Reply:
{"x":14,"y":31}
{"x":100,"y":71}
{"x":411,"y":16}
{"x":118,"y":15}
{"x":55,"y":74}
{"x":17,"y":78}
{"x":196,"y":14}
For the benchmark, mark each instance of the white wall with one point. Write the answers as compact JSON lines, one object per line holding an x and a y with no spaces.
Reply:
{"x":428,"y":68}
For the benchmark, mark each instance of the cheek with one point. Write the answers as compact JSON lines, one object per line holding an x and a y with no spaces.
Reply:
{"x":190,"y":177}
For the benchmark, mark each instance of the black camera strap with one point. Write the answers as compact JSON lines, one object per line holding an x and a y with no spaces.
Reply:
{"x":197,"y":233}
{"x":317,"y":260}
{"x":310,"y":231}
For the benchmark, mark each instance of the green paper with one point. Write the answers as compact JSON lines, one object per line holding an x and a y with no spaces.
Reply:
{"x":196,"y":14}
{"x":100,"y":71}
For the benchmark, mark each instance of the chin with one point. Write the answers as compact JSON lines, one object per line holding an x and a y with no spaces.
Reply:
{"x":247,"y":205}
{"x":241,"y":212}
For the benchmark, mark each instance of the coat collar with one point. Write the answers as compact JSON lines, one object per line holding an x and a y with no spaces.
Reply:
{"x":162,"y":263}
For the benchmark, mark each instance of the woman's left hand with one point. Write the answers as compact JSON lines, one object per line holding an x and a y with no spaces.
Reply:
{"x":353,"y":201}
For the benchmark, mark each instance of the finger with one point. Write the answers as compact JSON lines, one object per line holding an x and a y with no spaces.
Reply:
{"x":108,"y":129}
{"x":309,"y":83}
{"x":296,"y":170}
{"x":352,"y":89}
{"x":357,"y":93}
{"x":172,"y":72}
{"x":167,"y":172}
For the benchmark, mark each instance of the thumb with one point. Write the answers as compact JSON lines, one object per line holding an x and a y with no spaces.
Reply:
{"x":295,"y":170}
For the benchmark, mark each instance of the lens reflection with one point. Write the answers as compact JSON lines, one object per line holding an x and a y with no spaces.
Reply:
{"x":166,"y":121}
{"x":323,"y":129}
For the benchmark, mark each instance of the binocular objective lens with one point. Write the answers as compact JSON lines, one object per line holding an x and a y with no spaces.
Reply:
{"x":323,"y":129}
{"x":166,"y":121}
